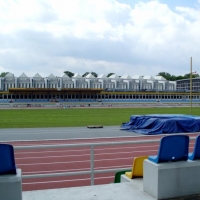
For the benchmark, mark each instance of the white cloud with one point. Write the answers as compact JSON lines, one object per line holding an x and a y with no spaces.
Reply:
{"x":91,"y":35}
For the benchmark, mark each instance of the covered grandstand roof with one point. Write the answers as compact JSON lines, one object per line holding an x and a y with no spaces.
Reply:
{"x":77,"y":76}
{"x":24,"y":78}
{"x":114,"y":76}
{"x":125,"y":76}
{"x":65,"y":76}
{"x":23,"y":75}
{"x":52,"y":77}
{"x":9,"y":76}
{"x":102,"y":76}
{"x":37,"y":76}
{"x":89,"y":76}
{"x":160,"y":78}
{"x":148,"y":77}
{"x":137,"y":77}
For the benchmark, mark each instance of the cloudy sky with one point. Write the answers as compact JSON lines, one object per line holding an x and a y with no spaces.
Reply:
{"x":121,"y":36}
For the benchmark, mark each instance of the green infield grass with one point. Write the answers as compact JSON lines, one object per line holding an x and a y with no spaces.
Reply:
{"x":28,"y":118}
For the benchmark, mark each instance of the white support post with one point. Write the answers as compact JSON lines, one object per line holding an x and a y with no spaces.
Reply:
{"x":92,"y":164}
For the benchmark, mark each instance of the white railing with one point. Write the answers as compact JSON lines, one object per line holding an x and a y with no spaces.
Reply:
{"x":92,"y":171}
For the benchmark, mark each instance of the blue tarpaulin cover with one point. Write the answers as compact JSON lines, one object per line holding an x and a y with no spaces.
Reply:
{"x":159,"y":124}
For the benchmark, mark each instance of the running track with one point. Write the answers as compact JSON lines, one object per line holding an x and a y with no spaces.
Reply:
{"x":41,"y":161}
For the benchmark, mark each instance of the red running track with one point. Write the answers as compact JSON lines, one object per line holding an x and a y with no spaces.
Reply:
{"x":41,"y":161}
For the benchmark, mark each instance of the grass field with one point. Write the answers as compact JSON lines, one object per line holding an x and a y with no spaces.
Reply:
{"x":79,"y":117}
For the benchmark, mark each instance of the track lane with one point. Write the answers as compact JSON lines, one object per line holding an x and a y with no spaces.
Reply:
{"x":39,"y":161}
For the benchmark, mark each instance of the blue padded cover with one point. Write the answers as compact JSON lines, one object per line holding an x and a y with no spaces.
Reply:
{"x":7,"y":160}
{"x":159,"y":124}
{"x":172,"y":148}
{"x":196,"y":152}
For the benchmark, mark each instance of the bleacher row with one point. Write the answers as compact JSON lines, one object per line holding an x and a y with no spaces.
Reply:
{"x":173,"y":172}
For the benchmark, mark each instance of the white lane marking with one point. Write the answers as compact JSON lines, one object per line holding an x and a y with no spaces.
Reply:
{"x":42,"y":157}
{"x":85,"y":138}
{"x":57,"y":131}
{"x":71,"y":162}
{"x":81,"y":150}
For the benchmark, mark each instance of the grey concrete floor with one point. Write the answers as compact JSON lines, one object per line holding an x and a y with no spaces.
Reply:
{"x":21,"y":134}
{"x":120,"y":191}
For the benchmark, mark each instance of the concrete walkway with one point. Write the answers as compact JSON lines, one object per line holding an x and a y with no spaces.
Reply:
{"x":119,"y":191}
{"x":20,"y":134}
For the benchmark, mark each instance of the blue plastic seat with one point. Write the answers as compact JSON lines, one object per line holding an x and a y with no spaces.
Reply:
{"x":196,"y":152}
{"x":7,"y":160}
{"x":172,"y":148}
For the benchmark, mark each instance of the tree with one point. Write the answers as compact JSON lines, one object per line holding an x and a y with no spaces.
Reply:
{"x":179,"y":77}
{"x":170,"y":77}
{"x":110,"y":74}
{"x":86,"y":73}
{"x":173,"y":78}
{"x":166,"y":75}
{"x":3,"y":74}
{"x":94,"y":74}
{"x":194,"y":75}
{"x":70,"y":74}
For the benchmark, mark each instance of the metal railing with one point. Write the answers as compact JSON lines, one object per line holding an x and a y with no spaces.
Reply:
{"x":92,"y":171}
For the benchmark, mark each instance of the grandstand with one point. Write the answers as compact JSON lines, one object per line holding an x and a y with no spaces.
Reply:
{"x":91,"y":89}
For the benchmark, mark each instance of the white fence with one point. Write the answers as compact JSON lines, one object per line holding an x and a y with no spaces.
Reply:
{"x":92,"y":171}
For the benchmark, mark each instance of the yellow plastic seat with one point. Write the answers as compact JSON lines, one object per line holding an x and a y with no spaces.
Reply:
{"x":137,"y":168}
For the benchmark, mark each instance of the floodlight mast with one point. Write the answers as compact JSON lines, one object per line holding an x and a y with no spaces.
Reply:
{"x":191,"y":86}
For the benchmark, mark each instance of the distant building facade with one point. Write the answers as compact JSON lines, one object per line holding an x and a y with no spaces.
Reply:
{"x":125,"y":82}
{"x":184,"y":84}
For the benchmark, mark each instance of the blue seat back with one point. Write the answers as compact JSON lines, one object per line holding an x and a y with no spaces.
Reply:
{"x":196,"y":152}
{"x":173,"y":148}
{"x":7,"y":160}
